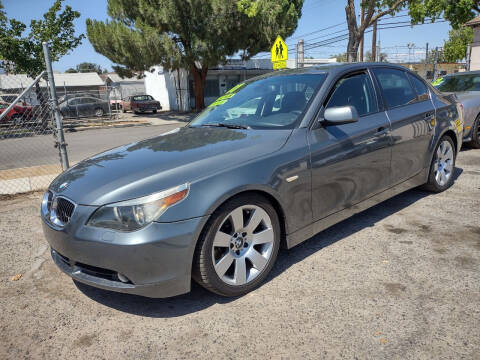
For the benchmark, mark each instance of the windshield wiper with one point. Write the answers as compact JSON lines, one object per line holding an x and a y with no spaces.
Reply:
{"x":229,"y":126}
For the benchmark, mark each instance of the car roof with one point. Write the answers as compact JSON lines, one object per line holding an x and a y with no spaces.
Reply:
{"x":329,"y":68}
{"x":464,"y":73}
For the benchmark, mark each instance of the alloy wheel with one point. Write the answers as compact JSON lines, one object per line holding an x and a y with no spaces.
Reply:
{"x":443,"y":166}
{"x":243,"y":245}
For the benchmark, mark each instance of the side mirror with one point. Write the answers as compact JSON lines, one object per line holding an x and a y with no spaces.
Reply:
{"x":340,"y":115}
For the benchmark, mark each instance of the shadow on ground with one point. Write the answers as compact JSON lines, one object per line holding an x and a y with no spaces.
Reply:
{"x":199,"y":298}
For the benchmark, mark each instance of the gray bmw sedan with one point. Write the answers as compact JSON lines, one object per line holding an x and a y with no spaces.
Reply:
{"x":274,"y":161}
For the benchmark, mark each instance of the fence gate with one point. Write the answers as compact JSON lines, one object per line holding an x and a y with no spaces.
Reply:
{"x":32,"y":146}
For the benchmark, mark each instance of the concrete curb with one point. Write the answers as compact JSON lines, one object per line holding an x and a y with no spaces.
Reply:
{"x":20,"y":180}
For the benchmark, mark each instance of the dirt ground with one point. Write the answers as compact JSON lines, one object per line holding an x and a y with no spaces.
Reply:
{"x":398,"y":281}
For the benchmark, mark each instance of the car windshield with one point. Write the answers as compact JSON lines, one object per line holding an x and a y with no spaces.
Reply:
{"x":272,"y":102}
{"x":142,"y":98}
{"x":454,"y":83}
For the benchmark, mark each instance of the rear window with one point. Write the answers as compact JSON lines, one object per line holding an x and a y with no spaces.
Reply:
{"x":397,"y":90}
{"x":420,"y":88}
{"x":142,"y":98}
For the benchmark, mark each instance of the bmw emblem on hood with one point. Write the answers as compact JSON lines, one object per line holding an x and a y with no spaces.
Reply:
{"x":63,"y":186}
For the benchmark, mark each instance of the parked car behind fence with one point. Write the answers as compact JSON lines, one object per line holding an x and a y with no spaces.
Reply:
{"x":84,"y":106}
{"x":140,"y":104}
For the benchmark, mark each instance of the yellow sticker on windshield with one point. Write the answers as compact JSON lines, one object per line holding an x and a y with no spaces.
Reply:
{"x":438,"y":81}
{"x":224,"y":98}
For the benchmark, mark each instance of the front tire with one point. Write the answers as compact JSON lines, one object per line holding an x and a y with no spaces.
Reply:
{"x":442,"y":167}
{"x":238,"y":247}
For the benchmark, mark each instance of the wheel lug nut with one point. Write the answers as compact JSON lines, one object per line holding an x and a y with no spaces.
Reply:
{"x":245,"y":245}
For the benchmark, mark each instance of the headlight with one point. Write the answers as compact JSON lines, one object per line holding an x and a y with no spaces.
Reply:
{"x":134,"y":214}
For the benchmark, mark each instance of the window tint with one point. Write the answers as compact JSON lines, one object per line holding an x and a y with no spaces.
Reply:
{"x":356,"y":90}
{"x":452,"y":83}
{"x":271,"y":102}
{"x":420,"y":88}
{"x":396,"y":87}
{"x":142,"y":98}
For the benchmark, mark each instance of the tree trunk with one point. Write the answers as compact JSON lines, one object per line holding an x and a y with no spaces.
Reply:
{"x":354,"y":36}
{"x":374,"y":42}
{"x":362,"y":41}
{"x":199,"y":78}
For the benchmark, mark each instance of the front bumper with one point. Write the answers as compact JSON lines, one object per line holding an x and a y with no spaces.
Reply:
{"x":156,"y":260}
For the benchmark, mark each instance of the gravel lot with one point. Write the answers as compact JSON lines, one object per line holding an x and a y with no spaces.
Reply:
{"x":399,"y":281}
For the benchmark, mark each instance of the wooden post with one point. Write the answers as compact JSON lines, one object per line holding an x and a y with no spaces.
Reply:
{"x":374,"y":42}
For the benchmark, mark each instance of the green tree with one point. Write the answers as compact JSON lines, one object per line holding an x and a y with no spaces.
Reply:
{"x":89,"y":67}
{"x":24,"y":52}
{"x":455,"y":48}
{"x":71,"y":71}
{"x":189,"y":34}
{"x":457,"y":12}
{"x":340,"y":57}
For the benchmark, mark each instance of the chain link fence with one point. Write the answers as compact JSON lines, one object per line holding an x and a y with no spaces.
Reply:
{"x":29,"y":143}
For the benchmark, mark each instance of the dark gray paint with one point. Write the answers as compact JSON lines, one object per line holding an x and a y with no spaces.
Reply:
{"x":341,"y":170}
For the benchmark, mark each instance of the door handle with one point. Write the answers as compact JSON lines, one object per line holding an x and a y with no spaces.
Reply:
{"x":382,"y":130}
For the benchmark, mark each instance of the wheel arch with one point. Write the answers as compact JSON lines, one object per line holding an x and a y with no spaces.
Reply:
{"x":272,"y":198}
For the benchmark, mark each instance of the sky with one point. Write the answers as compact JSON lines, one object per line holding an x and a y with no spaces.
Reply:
{"x":316,"y":15}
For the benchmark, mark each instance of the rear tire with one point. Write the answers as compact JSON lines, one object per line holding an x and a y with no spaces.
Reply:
{"x":234,"y":255}
{"x":442,"y":167}
{"x":99,"y":112}
{"x":475,"y":142}
{"x":17,"y":120}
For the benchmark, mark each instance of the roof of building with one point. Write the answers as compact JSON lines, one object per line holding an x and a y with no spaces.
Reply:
{"x":474,"y":22}
{"x":114,"y":77}
{"x":20,"y":81}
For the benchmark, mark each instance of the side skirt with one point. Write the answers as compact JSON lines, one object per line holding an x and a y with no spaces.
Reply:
{"x":309,"y":231}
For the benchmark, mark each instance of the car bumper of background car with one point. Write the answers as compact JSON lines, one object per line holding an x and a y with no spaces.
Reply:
{"x":154,"y":261}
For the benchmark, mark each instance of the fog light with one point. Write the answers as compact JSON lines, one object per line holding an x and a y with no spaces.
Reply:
{"x":122,"y":278}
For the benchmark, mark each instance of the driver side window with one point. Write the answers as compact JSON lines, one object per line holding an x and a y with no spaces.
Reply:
{"x":355,"y":90}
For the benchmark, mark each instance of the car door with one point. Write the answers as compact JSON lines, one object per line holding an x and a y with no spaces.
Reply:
{"x":72,"y":107}
{"x":410,"y":115}
{"x":350,"y":162}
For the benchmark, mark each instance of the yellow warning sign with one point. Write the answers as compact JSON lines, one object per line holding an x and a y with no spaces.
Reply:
{"x":279,"y":65}
{"x":279,"y":54}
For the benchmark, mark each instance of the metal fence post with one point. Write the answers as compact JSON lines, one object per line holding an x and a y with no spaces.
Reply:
{"x":58,"y":119}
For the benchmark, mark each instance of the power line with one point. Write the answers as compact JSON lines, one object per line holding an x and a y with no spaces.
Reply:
{"x":317,"y":31}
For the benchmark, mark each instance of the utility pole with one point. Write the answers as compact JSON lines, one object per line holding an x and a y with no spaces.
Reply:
{"x":301,"y":54}
{"x":426,"y":61}
{"x":469,"y":56}
{"x":374,"y":42}
{"x":362,"y":19}
{"x":435,"y":59}
{"x":296,"y":56}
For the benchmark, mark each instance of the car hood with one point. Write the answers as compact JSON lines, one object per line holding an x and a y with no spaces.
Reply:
{"x":174,"y":158}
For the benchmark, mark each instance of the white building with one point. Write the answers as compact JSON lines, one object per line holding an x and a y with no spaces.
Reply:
{"x":123,"y":87}
{"x":475,"y":52}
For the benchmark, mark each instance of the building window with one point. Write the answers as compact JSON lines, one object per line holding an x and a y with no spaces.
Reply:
{"x":211,"y":88}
